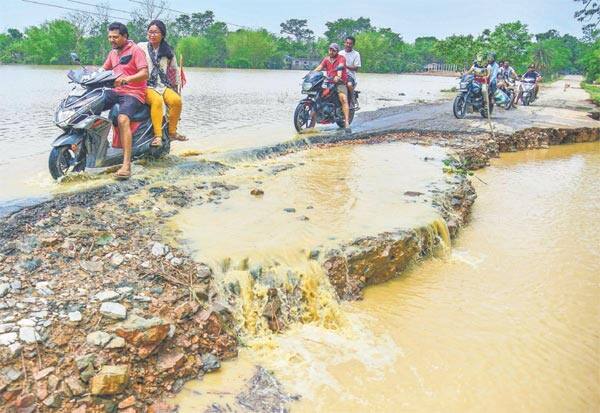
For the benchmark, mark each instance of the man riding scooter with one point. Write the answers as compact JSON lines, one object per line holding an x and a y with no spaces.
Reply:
{"x":130,"y":87}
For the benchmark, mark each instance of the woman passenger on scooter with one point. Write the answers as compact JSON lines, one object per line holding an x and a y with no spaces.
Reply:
{"x":163,"y":82}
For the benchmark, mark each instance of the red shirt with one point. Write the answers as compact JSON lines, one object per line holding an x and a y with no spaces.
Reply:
{"x":137,"y":62}
{"x":331,"y":66}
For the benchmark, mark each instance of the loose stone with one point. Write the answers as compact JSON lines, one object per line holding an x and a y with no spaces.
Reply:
{"x":74,"y":316}
{"x":8,"y":338}
{"x":113,"y":310}
{"x":158,"y":249}
{"x":111,"y":380}
{"x":98,"y":338}
{"x":29,"y":335}
{"x":116,"y":259}
{"x":106,"y":295}
{"x":4,"y":289}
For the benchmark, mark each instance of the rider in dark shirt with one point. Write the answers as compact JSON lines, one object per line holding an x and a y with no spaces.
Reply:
{"x":532,"y":75}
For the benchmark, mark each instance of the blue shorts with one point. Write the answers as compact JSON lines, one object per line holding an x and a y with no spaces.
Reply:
{"x":128,"y":105}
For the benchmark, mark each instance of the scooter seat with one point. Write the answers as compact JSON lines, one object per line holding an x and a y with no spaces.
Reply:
{"x":141,"y":115}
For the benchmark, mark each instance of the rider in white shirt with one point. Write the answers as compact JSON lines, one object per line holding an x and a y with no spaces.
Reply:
{"x":352,"y":64}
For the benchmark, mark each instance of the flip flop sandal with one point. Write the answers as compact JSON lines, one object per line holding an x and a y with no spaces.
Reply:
{"x":156,"y":142}
{"x":179,"y":137}
{"x":122,"y":176}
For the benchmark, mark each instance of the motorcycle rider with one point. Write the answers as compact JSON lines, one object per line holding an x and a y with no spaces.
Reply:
{"x":353,"y":63}
{"x":335,"y":66}
{"x":479,"y":69}
{"x":507,"y":72}
{"x":493,"y":70}
{"x":130,"y":87}
{"x":535,"y":75}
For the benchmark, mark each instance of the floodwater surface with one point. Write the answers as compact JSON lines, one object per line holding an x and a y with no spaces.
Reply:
{"x":224,"y":109}
{"x":508,"y":321}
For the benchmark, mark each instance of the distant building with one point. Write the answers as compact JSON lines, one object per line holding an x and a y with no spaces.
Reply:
{"x":301,"y":63}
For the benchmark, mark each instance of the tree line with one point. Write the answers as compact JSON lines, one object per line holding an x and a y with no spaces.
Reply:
{"x":207,"y":42}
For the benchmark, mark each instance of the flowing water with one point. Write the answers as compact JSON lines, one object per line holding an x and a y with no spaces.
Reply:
{"x":507,"y":321}
{"x":224,"y":109}
{"x":313,"y":201}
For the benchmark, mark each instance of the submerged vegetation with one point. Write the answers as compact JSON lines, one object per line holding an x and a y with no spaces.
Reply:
{"x":205,"y":42}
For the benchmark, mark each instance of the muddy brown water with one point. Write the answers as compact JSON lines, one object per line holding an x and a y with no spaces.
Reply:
{"x":508,"y":320}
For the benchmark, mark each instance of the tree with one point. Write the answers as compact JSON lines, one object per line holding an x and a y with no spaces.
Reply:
{"x":589,"y":13}
{"x":458,"y":49}
{"x":550,"y":34}
{"x":511,"y":41}
{"x":338,"y":30}
{"x":50,"y":43}
{"x":590,"y":61}
{"x":251,"y":49}
{"x":550,"y":56}
{"x":381,"y":51}
{"x":297,"y":30}
{"x":14,"y":34}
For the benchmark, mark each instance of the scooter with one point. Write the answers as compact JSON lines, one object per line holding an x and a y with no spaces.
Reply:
{"x":85,"y":143}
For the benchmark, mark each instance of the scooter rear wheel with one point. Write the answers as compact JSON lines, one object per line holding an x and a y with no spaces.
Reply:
{"x":62,"y":161}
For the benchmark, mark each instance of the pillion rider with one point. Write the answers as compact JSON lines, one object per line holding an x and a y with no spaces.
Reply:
{"x":353,"y":63}
{"x":335,"y":66}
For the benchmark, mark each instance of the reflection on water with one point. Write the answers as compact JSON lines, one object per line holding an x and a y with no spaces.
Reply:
{"x":223,"y":109}
{"x":508,"y":322}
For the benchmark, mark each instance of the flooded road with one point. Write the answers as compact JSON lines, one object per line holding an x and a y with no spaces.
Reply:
{"x":224,"y":109}
{"x":508,"y":321}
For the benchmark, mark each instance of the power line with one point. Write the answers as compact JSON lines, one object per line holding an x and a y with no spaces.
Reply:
{"x":185,"y":12}
{"x":98,"y":5}
{"x":71,"y":9}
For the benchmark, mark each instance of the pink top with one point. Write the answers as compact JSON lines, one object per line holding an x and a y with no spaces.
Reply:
{"x":137,"y":62}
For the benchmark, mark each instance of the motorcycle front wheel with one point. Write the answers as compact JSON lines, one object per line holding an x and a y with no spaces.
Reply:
{"x":63,"y":161}
{"x":459,"y":107}
{"x":340,"y":120}
{"x":303,"y":118}
{"x":526,"y":100}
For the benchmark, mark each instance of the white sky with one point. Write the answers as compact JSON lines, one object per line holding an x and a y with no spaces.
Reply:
{"x":410,"y":18}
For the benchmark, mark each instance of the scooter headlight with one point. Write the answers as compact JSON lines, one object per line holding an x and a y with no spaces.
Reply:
{"x":63,"y":117}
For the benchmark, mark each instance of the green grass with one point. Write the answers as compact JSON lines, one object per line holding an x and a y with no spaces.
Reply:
{"x":593,"y":90}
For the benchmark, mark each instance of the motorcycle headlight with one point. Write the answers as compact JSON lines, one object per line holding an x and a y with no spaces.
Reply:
{"x":63,"y":117}
{"x":306,"y":86}
{"x":463,"y":85}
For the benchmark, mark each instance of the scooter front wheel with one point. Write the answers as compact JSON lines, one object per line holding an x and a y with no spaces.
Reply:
{"x":63,"y":161}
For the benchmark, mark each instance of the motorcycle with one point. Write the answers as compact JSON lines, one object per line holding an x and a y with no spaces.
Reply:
{"x":528,"y":91}
{"x":322,"y":104}
{"x":470,"y":98}
{"x":509,"y":89}
{"x":85,"y":142}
